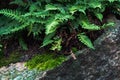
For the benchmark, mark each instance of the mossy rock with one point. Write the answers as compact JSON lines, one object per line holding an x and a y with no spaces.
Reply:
{"x":45,"y":61}
{"x":12,"y":58}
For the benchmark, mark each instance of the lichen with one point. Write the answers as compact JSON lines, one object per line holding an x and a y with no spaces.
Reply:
{"x":45,"y":62}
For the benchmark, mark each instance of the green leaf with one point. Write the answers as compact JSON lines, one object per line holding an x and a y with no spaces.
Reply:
{"x":76,"y":8}
{"x":51,"y":27}
{"x":48,"y":39}
{"x":85,"y":40}
{"x":56,"y":44}
{"x":95,"y":4}
{"x":87,"y":25}
{"x":110,"y":24}
{"x":99,"y":16}
{"x":63,"y":17}
{"x":51,"y":7}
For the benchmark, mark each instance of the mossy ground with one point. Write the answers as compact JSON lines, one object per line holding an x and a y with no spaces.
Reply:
{"x":45,"y":61}
{"x":12,"y":58}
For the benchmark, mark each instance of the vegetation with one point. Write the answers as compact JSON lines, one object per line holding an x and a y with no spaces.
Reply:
{"x":0,"y":47}
{"x":13,"y":57}
{"x":58,"y":21}
{"x":45,"y":62}
{"x":60,"y":25}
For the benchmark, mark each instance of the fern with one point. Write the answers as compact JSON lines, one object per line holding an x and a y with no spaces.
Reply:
{"x":85,"y":40}
{"x":15,"y":15}
{"x":84,"y":22}
{"x":56,"y":44}
{"x":48,"y":39}
{"x":48,"y":18}
{"x":12,"y":29}
{"x":52,"y":26}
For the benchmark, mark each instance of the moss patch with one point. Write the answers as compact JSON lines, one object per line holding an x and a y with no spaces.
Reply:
{"x":12,"y":58}
{"x":45,"y":62}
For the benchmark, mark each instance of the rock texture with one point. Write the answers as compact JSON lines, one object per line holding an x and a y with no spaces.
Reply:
{"x":100,"y":64}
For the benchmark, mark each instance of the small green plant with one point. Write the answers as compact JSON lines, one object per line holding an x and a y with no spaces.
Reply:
{"x":64,"y":19}
{"x":45,"y":61}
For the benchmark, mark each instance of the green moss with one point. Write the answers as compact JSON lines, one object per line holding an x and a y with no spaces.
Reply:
{"x":12,"y":58}
{"x":45,"y":62}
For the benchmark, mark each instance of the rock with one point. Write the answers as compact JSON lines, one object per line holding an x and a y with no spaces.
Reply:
{"x":17,"y":71}
{"x":100,"y":64}
{"x":20,"y":66}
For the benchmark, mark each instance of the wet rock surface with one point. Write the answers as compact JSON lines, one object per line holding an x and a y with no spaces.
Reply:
{"x":17,"y":71}
{"x":100,"y":64}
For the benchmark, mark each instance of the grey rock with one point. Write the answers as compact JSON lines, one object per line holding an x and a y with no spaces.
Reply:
{"x":103,"y":63}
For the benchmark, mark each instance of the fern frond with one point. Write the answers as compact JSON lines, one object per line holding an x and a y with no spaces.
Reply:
{"x":75,"y":8}
{"x":89,"y":26}
{"x":51,"y":7}
{"x":48,"y":39}
{"x":11,"y":29}
{"x":99,"y":16}
{"x":15,"y":15}
{"x":63,"y":17}
{"x":51,"y":26}
{"x":56,"y":44}
{"x":37,"y":14}
{"x":85,"y":40}
{"x":94,"y":4}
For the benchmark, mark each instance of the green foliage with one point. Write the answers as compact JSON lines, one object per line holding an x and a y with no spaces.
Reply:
{"x":48,"y":17}
{"x":86,"y":24}
{"x":23,"y":44}
{"x":56,"y":44}
{"x":1,"y":47}
{"x":45,"y":62}
{"x":84,"y":39}
{"x":12,"y":58}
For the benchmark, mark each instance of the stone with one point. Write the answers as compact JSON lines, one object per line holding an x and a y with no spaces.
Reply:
{"x":103,"y":63}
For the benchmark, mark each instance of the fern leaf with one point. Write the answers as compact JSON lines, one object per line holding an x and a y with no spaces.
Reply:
{"x":84,"y":22}
{"x":37,"y":14}
{"x":99,"y":16}
{"x":76,"y":8}
{"x":56,"y":44}
{"x":95,"y":4}
{"x":87,"y":25}
{"x":48,"y":39}
{"x":110,"y":24}
{"x":85,"y":40}
{"x":51,"y":7}
{"x":15,"y":15}
{"x":51,"y":27}
{"x":63,"y":17}
{"x":12,"y":29}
